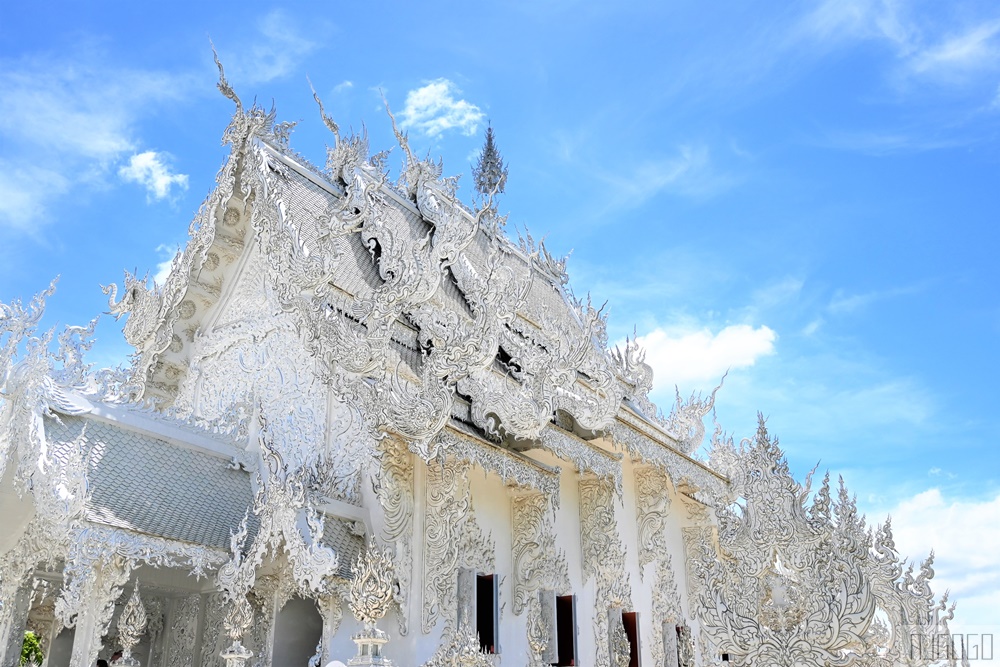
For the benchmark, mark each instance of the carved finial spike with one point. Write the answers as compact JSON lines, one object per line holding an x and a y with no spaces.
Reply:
{"x":223,"y":85}
{"x":327,"y":120}
{"x":401,"y":137}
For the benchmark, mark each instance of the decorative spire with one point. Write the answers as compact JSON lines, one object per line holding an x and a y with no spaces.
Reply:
{"x":131,"y":626}
{"x":490,"y":173}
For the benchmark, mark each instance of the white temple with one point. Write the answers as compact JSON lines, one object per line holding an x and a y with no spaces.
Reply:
{"x":355,"y":398}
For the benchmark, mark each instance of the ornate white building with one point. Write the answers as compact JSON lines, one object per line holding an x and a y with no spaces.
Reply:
{"x":336,"y":359}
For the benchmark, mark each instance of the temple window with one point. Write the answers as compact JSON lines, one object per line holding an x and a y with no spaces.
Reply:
{"x":565,"y":626}
{"x":630,"y":619}
{"x":488,"y":612}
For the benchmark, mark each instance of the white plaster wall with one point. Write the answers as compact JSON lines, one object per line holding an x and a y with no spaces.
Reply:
{"x":297,"y":630}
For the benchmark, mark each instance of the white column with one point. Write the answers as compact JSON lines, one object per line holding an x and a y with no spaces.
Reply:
{"x":332,"y":610}
{"x":101,"y":590}
{"x":13,"y":619}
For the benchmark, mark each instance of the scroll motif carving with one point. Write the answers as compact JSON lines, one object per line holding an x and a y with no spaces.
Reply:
{"x":394,"y":488}
{"x":182,"y":635}
{"x":585,"y":457}
{"x":603,"y":557}
{"x":537,"y":564}
{"x":213,"y":635}
{"x":452,"y":539}
{"x":799,"y":582}
{"x":694,"y":477}
{"x":652,"y":508}
{"x":513,"y":470}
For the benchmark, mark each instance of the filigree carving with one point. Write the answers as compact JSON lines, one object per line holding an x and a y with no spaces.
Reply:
{"x":281,"y":505}
{"x":372,"y":585}
{"x":394,"y":488}
{"x":514,"y":470}
{"x":603,"y":557}
{"x":452,"y":539}
{"x":619,"y":649}
{"x":182,"y":636}
{"x":687,"y":419}
{"x":586,"y":457}
{"x":131,"y":626}
{"x":652,"y":508}
{"x":214,"y":634}
{"x":692,"y":477}
{"x":459,"y":649}
{"x":799,"y":582}
{"x":537,"y":564}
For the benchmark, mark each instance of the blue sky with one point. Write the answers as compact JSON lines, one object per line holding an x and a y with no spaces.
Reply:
{"x":805,"y":193}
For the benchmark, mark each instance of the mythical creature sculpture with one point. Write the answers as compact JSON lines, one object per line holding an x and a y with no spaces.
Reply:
{"x":687,"y":419}
{"x":142,"y":305}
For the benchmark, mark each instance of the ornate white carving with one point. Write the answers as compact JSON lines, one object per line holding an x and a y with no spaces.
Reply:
{"x":371,"y":595}
{"x":687,"y":475}
{"x":460,"y":649}
{"x":182,"y":635}
{"x":513,"y":469}
{"x":537,"y":563}
{"x":619,"y":649}
{"x":652,"y":508}
{"x":452,"y":539}
{"x":394,"y":488}
{"x":280,"y":503}
{"x":131,"y":626}
{"x":213,"y":634}
{"x":793,"y":582}
{"x":687,"y":420}
{"x":586,"y":457}
{"x":603,"y":557}
{"x":372,"y":585}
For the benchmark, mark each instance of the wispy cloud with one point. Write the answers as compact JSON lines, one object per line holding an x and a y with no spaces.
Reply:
{"x":71,"y":119}
{"x":163,"y":267}
{"x":152,"y":171}
{"x":690,"y":172}
{"x":922,"y":45}
{"x":843,"y":303}
{"x":693,"y":358}
{"x":343,"y":86}
{"x":434,"y":108}
{"x":275,"y":51}
{"x":977,"y":48}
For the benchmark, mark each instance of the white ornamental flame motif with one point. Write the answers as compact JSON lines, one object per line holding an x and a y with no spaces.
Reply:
{"x":131,"y":626}
{"x":372,"y":589}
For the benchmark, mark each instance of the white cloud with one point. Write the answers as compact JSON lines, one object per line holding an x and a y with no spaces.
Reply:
{"x":163,"y":267}
{"x":690,"y":172}
{"x":342,"y":86}
{"x":966,"y":544}
{"x":923,"y":46}
{"x":974,"y":49}
{"x":66,"y":122}
{"x":275,"y":52}
{"x":433,"y":109}
{"x":694,"y":358}
{"x":150,"y":170}
{"x":24,"y":189}
{"x":843,"y":303}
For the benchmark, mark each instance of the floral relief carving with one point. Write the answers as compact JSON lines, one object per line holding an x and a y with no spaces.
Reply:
{"x":452,"y":540}
{"x":394,"y":488}
{"x":792,"y":581}
{"x":182,"y":636}
{"x":603,"y":557}
{"x":537,"y":563}
{"x":652,"y":509}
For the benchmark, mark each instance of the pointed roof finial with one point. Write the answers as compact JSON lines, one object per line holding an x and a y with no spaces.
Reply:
{"x":490,"y":172}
